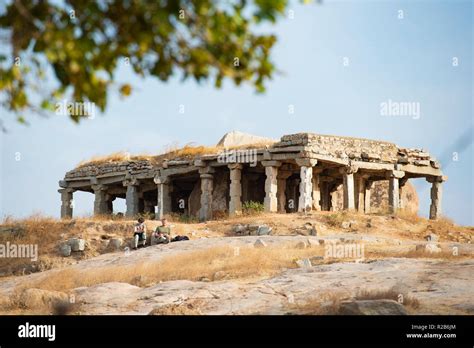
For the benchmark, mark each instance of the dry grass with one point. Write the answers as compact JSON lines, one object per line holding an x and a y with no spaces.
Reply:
{"x":169,"y":152}
{"x":329,"y":303}
{"x":194,"y":265}
{"x":388,"y":294}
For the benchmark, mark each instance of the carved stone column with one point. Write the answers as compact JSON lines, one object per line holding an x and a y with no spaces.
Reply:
{"x":271,"y":185}
{"x":235,"y":190}
{"x":66,"y":202}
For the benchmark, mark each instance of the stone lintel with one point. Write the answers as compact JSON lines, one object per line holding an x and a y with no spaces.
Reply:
{"x":306,"y":162}
{"x":63,"y":183}
{"x":66,"y":190}
{"x":161,"y":179}
{"x":94,"y":181}
{"x":130,"y":182}
{"x":206,"y":171}
{"x":441,"y":178}
{"x":271,"y":163}
{"x":395,"y":174}
{"x":233,"y":166}
{"x":199,"y":163}
{"x":99,"y":187}
{"x":348,"y":169}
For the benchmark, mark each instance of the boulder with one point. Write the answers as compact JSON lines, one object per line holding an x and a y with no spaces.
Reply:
{"x":236,"y":138}
{"x":77,"y":244}
{"x":263,"y":230}
{"x":372,"y":307}
{"x":65,"y":250}
{"x":304,"y":263}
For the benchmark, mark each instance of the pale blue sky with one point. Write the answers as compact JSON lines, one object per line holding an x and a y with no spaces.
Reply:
{"x":407,"y":59}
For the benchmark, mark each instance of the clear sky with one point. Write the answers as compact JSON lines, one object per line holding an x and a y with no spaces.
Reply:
{"x":403,"y":60}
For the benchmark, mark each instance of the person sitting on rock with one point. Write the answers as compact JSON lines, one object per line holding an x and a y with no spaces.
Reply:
{"x":162,"y":233}
{"x":139,"y":233}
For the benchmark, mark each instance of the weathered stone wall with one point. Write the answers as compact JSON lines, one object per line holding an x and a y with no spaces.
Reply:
{"x":220,"y":194}
{"x":358,"y":149}
{"x":105,"y":168}
{"x":379,"y":197}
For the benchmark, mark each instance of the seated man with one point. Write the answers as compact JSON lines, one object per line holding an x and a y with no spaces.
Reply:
{"x":139,"y":233}
{"x":162,"y":234}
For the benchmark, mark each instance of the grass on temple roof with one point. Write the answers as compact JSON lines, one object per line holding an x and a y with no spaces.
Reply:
{"x":170,"y":152}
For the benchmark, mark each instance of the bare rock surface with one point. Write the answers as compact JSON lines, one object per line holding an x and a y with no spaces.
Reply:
{"x":442,"y":286}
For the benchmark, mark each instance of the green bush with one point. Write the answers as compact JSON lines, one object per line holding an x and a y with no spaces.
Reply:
{"x":251,"y":207}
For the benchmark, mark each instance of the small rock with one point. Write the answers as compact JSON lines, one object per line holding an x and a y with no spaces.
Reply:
{"x":259,"y":244}
{"x":420,"y":247}
{"x":304,"y":263}
{"x":431,"y":237}
{"x":432,"y":248}
{"x":65,"y":250}
{"x":253,"y":227}
{"x":301,"y":245}
{"x":220,"y":275}
{"x":346,"y":224}
{"x":313,"y":231}
{"x":239,"y":229}
{"x":115,"y":243}
{"x":204,"y":279}
{"x":308,"y":226}
{"x":264,"y":230}
{"x":77,"y":244}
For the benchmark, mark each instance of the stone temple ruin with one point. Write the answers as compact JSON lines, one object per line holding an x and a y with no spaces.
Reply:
{"x":298,"y":173}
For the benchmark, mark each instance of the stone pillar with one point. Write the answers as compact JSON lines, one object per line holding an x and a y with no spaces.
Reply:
{"x":101,"y":206}
{"x":325,"y":195}
{"x":131,"y":197}
{"x":348,"y":187}
{"x":333,"y":206}
{"x":110,"y":204}
{"x":305,"y":202}
{"x":316,"y":190}
{"x":235,"y":191}
{"x":436,"y":195}
{"x":283,"y":175}
{"x":66,"y":202}
{"x":368,"y":187}
{"x":163,"y":202}
{"x":271,"y":185}
{"x":393,"y":190}
{"x":360,"y":193}
{"x":207,"y":186}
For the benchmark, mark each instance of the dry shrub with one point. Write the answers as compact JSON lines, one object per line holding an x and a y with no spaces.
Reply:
{"x":191,"y":307}
{"x":409,"y":216}
{"x":388,"y":294}
{"x":327,"y":303}
{"x":194,"y":265}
